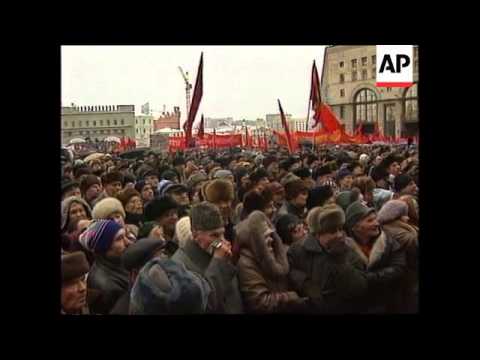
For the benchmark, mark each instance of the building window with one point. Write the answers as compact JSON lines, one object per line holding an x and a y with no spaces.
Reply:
{"x":365,"y":106}
{"x":108,"y":122}
{"x":136,"y":121}
{"x":94,"y":123}
{"x":342,"y":78}
{"x":123,"y":131}
{"x":364,"y":61}
{"x":65,"y":124}
{"x":354,"y":63}
{"x":73,"y":123}
{"x":149,"y":121}
{"x":143,"y":121}
{"x":342,"y":112}
{"x":354,"y":76}
{"x":342,"y":92}
{"x":87,"y":123}
{"x":80,"y":124}
{"x":122,"y":122}
{"x":374,"y":73}
{"x":374,"y":59}
{"x":411,"y":103}
{"x":101,"y":131}
{"x":137,"y":131}
{"x":342,"y":64}
{"x":101,"y":122}
{"x":364,"y":75}
{"x":144,"y":131}
{"x":115,"y":122}
{"x":389,"y":89}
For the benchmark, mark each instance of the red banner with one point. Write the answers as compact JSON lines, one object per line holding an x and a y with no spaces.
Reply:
{"x":210,"y":141}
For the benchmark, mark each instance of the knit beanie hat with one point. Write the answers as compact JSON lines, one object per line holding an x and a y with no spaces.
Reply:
{"x":284,"y":225}
{"x":294,"y":188}
{"x":106,"y":207}
{"x":99,"y":235}
{"x":356,"y":212}
{"x":165,"y":287}
{"x":158,"y":207}
{"x":401,"y":182}
{"x":125,"y":195}
{"x":205,"y":217}
{"x":325,"y":219}
{"x":138,"y":253}
{"x":183,"y":231}
{"x":392,"y":210}
{"x":87,"y":181}
{"x":74,"y":265}
{"x":318,"y":195}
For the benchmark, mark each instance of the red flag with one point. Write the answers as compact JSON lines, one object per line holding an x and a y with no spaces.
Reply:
{"x":201,"y":129}
{"x":327,"y":117}
{"x":315,"y":96}
{"x":197,"y":97}
{"x":214,"y":138}
{"x":285,"y":126}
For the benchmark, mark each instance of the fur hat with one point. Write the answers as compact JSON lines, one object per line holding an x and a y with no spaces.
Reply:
{"x":345,"y":198}
{"x":88,"y":181}
{"x":65,"y":209}
{"x":379,"y":173}
{"x":99,"y":235}
{"x":392,"y":210}
{"x":138,"y":253}
{"x":195,"y":179}
{"x":205,"y":217}
{"x":257,"y":175}
{"x":285,"y":225}
{"x":356,"y":212}
{"x":325,"y":219}
{"x":169,"y":175}
{"x":112,"y":177}
{"x":178,"y":161}
{"x":125,"y":195}
{"x":173,"y":188}
{"x":380,"y":197}
{"x":254,"y":200}
{"x":68,"y":185}
{"x":318,"y":195}
{"x":303,"y":173}
{"x":106,"y":207}
{"x":165,"y":287}
{"x":222,"y":174}
{"x":321,"y":171}
{"x":74,"y":265}
{"x":389,"y":160}
{"x":183,"y":230}
{"x":218,"y":190}
{"x":269,"y":160}
{"x":294,"y":188}
{"x":156,"y":208}
{"x":401,"y":182}
{"x":289,"y":177}
{"x":364,"y":158}
{"x":150,"y":172}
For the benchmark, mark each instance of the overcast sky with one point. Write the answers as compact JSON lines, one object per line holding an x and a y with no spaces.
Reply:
{"x":239,"y":81}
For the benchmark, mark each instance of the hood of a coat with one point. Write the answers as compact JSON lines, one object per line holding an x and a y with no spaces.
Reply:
{"x":67,"y":204}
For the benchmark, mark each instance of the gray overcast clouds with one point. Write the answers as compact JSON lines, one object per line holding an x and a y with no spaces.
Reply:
{"x":239,"y":81}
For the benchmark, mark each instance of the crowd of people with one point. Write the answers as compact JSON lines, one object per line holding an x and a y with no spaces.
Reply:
{"x":332,"y":230}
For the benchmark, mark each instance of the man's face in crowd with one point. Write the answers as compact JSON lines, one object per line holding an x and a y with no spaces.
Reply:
{"x":77,"y":212}
{"x":151,"y":158}
{"x":378,"y":160}
{"x":152,"y":180}
{"x":301,"y":200}
{"x":334,"y":241}
{"x":134,"y":205}
{"x":298,"y":232}
{"x":147,"y":193}
{"x":296,"y":166}
{"x":68,"y":171}
{"x":382,"y":184}
{"x":113,"y":188}
{"x":269,"y":210}
{"x":74,"y":294}
{"x":245,"y":181}
{"x":181,"y":198}
{"x":72,"y":192}
{"x":93,"y":191}
{"x":410,"y":189}
{"x":262,"y":183}
{"x":119,"y":245}
{"x":367,"y":228}
{"x":205,"y":238}
{"x":357,"y":171}
{"x":394,"y":169}
{"x":273,"y":169}
{"x":169,"y":219}
{"x":346,"y":182}
{"x":225,"y":208}
{"x":309,"y":182}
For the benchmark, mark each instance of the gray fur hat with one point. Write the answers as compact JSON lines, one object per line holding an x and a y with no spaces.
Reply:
{"x":324,"y":219}
{"x":205,"y":217}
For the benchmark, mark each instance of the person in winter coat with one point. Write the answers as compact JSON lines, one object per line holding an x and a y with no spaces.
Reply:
{"x":107,"y":240}
{"x":70,"y":188}
{"x":259,"y":179}
{"x":404,"y":185}
{"x":296,"y":195}
{"x":208,"y":252}
{"x":112,"y":183}
{"x":133,"y":206}
{"x":111,"y":208}
{"x":145,"y":190}
{"x":278,"y":194}
{"x":379,"y":255}
{"x":74,"y":209}
{"x":255,"y":200}
{"x":366,"y":185}
{"x":74,"y":284}
{"x":91,"y":188}
{"x":412,"y":204}
{"x":290,"y":229}
{"x":321,"y":266}
{"x":344,"y":179}
{"x":263,"y":268}
{"x":320,"y":196}
{"x":393,"y":217}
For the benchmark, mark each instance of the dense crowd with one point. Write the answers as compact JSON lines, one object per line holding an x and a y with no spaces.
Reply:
{"x":329,"y":231}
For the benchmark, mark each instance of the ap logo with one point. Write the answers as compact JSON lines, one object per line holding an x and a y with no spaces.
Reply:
{"x":394,"y":65}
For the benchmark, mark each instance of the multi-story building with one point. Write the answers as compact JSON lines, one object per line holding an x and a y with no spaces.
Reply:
{"x":97,"y":122}
{"x":168,"y":120}
{"x":218,"y":122}
{"x":274,"y":121}
{"x":297,"y":124}
{"x":143,"y":129}
{"x":348,"y":86}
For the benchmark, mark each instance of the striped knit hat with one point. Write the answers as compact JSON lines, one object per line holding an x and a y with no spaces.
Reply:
{"x":99,"y":235}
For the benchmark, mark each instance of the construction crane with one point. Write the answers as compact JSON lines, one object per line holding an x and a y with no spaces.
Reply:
{"x":188,"y":88}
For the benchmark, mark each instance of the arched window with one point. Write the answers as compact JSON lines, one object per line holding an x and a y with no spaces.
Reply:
{"x":365,"y":107}
{"x":411,"y":104}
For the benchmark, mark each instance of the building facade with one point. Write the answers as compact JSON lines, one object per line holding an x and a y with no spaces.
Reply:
{"x":348,"y":86}
{"x":168,"y":120}
{"x":97,"y":122}
{"x":218,"y":122}
{"x":274,"y":121}
{"x":143,"y":129}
